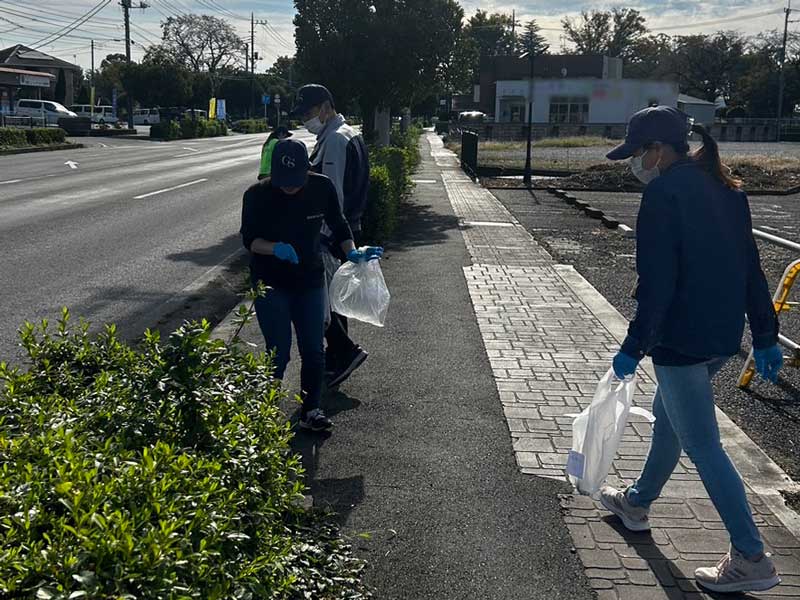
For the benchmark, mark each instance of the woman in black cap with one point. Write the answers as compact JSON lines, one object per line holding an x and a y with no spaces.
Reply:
{"x":699,"y":274}
{"x":281,"y":221}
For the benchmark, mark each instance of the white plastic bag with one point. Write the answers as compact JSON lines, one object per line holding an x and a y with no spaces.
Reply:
{"x":358,"y":291}
{"x":597,"y":431}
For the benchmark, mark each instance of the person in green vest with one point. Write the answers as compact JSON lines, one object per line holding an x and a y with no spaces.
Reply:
{"x":278,"y":134}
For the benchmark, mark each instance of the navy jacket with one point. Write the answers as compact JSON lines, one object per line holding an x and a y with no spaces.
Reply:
{"x":699,"y":269}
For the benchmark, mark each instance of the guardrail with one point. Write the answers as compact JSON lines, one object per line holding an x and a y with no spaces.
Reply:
{"x":781,"y":302}
{"x":20,"y":122}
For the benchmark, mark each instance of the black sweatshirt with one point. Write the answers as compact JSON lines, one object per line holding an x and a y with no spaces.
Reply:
{"x":271,"y":215}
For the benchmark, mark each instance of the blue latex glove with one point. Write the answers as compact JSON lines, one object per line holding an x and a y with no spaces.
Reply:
{"x":769,"y":362}
{"x":286,"y":252}
{"x":624,"y":365}
{"x":369,"y":253}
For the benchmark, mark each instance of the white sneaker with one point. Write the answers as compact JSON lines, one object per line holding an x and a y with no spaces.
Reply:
{"x":734,"y":573}
{"x":633,"y":517}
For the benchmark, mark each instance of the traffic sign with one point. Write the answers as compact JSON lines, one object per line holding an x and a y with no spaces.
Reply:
{"x":265,"y":99}
{"x":277,"y":98}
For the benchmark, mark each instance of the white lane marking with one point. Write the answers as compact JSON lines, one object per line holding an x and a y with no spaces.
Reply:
{"x":192,"y":149}
{"x":72,"y":164}
{"x":170,"y":189}
{"x":102,"y":145}
{"x":10,"y":181}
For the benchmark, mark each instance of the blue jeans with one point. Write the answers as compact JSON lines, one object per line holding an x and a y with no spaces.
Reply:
{"x":685,"y":418}
{"x":276,"y":313}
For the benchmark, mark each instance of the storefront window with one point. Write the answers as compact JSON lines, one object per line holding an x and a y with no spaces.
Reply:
{"x":571,"y":110}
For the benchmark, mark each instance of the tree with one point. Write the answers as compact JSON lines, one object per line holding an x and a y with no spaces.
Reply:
{"x":109,"y":77}
{"x":708,"y":65}
{"x":616,"y":33}
{"x":491,"y":35}
{"x":60,"y":93}
{"x":201,"y":43}
{"x":533,"y":41}
{"x":158,"y":84}
{"x":651,"y":59}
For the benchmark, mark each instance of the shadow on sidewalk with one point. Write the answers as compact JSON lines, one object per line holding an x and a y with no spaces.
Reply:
{"x":665,"y":569}
{"x":421,"y":225}
{"x":337,"y":495}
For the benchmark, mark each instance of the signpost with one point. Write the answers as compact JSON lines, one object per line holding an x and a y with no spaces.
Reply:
{"x":265,"y":100}
{"x":278,"y":108}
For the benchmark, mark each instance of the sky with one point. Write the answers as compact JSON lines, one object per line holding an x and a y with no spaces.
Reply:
{"x":20,"y":23}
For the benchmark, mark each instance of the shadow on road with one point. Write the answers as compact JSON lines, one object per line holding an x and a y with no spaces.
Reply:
{"x":209,"y":256}
{"x":420,"y":225}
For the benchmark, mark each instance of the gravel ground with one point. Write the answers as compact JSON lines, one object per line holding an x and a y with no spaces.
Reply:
{"x":769,"y":414}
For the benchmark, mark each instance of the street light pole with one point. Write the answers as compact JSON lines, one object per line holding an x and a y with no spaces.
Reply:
{"x":782,"y":75}
{"x":527,"y":177}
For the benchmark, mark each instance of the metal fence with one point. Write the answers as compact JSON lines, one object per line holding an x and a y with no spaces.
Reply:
{"x":22,"y":122}
{"x":469,"y":152}
{"x":782,"y":304}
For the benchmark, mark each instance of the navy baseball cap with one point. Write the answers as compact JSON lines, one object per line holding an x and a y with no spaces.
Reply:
{"x":655,"y":124}
{"x":290,"y":164}
{"x":308,"y":97}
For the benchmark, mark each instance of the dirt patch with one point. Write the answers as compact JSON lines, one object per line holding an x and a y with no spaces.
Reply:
{"x":758,"y":174}
{"x":792,"y":500}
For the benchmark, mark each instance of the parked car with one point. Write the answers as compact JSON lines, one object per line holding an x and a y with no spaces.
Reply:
{"x":194,"y":113}
{"x":101,"y":114}
{"x":46,"y":110}
{"x":146,"y":116}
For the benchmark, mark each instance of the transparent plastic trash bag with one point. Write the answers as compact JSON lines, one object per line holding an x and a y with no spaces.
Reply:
{"x":358,"y":291}
{"x":598,"y":430}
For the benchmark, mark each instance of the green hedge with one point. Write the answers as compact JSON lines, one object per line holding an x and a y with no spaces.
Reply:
{"x":390,"y":184}
{"x":160,"y":472}
{"x":251,"y":126}
{"x":12,"y":137}
{"x":188,"y":129}
{"x":43,"y":136}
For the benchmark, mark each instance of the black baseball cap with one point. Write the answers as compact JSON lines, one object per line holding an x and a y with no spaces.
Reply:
{"x":308,"y":97}
{"x":655,"y":124}
{"x":290,"y":164}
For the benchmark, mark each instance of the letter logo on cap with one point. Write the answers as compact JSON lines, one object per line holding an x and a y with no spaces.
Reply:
{"x":288,"y":161}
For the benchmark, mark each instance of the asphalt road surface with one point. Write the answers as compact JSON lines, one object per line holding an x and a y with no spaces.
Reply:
{"x":123,"y":231}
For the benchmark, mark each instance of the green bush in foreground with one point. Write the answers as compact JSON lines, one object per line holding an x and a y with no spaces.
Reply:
{"x":160,"y":473}
{"x":379,"y":220}
{"x":166,"y":130}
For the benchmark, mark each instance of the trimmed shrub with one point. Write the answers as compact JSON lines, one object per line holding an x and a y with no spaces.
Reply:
{"x":160,"y":472}
{"x":165,"y":130}
{"x":380,"y":218}
{"x":44,"y":136}
{"x":12,"y":137}
{"x":396,"y":162}
{"x":250,"y":126}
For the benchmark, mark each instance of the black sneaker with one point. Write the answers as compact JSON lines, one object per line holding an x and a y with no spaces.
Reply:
{"x":349,"y":364}
{"x":315,"y":420}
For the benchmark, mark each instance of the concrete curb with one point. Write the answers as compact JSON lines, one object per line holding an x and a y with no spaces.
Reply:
{"x":758,"y":470}
{"x":41,"y":149}
{"x":592,"y":211}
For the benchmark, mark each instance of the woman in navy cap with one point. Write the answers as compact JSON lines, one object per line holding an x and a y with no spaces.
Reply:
{"x":699,"y":275}
{"x":281,"y":222}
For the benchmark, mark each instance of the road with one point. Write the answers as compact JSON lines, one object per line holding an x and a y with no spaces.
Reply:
{"x":127,"y":233}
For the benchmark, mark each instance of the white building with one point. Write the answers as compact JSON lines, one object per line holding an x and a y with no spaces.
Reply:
{"x":579,"y":101}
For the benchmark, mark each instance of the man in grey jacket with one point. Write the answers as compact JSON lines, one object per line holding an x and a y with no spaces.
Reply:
{"x":341,"y":154}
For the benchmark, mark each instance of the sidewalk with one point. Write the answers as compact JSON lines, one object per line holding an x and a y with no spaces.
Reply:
{"x":450,"y":443}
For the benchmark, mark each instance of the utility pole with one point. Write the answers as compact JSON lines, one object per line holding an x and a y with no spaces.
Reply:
{"x":527,"y":177}
{"x":92,"y":92}
{"x":253,"y":58}
{"x":126,"y":9}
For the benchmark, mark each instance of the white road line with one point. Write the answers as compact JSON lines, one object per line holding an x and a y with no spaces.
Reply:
{"x":192,"y":149}
{"x":170,"y":189}
{"x":10,"y":181}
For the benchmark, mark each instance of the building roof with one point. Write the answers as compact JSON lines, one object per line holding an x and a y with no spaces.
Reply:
{"x":22,"y":56}
{"x":547,"y":66}
{"x":686,"y":99}
{"x":24,"y":72}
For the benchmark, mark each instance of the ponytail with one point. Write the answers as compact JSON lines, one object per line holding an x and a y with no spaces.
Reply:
{"x":707,"y":156}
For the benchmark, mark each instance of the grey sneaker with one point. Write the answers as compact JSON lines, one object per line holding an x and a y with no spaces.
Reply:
{"x":734,"y":573}
{"x":633,"y":517}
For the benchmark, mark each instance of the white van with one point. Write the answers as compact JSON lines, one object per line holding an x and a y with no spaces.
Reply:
{"x":146,"y":116}
{"x":101,"y":114}
{"x":50,"y":112}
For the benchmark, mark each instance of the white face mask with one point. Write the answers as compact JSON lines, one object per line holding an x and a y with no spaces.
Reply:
{"x":314,"y":125}
{"x":642,"y":174}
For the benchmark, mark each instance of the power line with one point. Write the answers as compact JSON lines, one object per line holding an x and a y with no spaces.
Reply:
{"x":39,"y":32}
{"x":72,"y":26}
{"x":56,"y":13}
{"x":719,"y":21}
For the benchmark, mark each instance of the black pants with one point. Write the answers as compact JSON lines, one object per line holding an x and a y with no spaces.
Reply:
{"x":337,"y":337}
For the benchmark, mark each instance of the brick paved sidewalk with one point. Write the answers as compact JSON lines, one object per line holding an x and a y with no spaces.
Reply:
{"x":550,"y":337}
